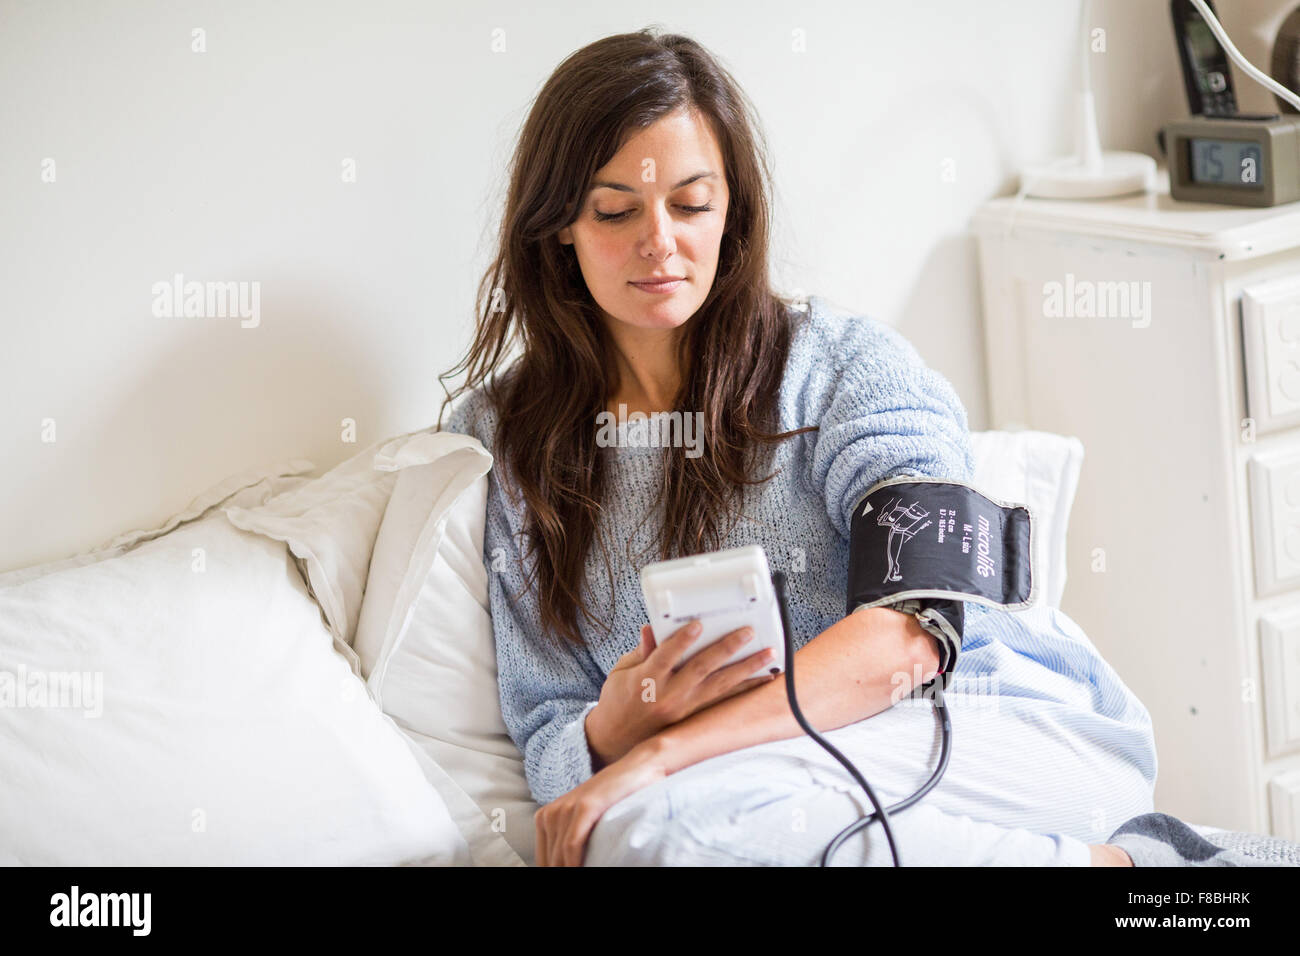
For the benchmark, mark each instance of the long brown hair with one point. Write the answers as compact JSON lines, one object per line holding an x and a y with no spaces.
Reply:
{"x":733,"y":349}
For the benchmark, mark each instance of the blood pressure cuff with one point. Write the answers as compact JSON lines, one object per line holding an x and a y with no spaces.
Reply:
{"x":925,"y":546}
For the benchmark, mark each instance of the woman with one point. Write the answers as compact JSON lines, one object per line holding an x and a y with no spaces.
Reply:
{"x":633,"y":272}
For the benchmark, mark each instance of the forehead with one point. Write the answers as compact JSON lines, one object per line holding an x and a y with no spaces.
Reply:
{"x":705,"y":176}
{"x":680,"y":148}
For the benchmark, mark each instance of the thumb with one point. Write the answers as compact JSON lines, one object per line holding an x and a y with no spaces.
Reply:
{"x":642,"y":650}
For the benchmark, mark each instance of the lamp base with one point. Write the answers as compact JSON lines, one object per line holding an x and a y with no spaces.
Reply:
{"x":1120,"y":174}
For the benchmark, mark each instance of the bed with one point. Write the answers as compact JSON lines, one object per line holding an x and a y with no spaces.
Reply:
{"x":299,"y":669}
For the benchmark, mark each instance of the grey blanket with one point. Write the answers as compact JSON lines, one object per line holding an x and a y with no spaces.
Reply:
{"x":1158,"y":839}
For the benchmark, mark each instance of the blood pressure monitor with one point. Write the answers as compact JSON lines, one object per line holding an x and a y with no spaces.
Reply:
{"x":724,"y":590}
{"x":1238,"y":160}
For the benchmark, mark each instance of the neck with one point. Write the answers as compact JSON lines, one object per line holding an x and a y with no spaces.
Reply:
{"x":648,"y":376}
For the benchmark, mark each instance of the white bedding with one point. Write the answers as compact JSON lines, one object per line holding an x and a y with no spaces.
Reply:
{"x":323,"y":689}
{"x":214,"y":724}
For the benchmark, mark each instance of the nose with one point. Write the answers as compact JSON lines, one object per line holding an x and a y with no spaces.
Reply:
{"x":659,"y":243}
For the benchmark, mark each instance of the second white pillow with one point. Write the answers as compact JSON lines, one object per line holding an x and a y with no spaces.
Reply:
{"x":425,"y":636}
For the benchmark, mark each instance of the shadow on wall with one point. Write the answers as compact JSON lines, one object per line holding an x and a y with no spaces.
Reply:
{"x":235,"y":402}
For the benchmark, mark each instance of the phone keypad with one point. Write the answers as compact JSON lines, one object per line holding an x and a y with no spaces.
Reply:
{"x":1219,"y":104}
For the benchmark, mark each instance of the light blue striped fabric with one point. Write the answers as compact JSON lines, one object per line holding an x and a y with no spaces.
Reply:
{"x":1062,"y":730}
{"x":1031,"y":780}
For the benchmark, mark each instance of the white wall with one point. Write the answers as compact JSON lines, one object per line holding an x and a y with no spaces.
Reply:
{"x":227,"y":164}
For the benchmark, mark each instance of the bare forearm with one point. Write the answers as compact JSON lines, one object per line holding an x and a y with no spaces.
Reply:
{"x":857,"y":668}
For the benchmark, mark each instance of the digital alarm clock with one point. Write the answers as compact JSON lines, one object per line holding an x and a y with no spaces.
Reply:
{"x":1240,"y":160}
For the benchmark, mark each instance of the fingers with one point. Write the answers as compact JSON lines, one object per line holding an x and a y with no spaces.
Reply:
{"x":669,"y":653}
{"x":562,"y":832}
{"x":711,"y":658}
{"x":754,"y":682}
{"x":575,"y":843}
{"x":745,"y":686}
{"x":552,"y":826}
{"x":732,"y":679}
{"x":644,"y":648}
{"x":541,"y":852}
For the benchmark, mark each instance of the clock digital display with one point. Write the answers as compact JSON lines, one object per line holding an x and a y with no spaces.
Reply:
{"x":1226,"y":162}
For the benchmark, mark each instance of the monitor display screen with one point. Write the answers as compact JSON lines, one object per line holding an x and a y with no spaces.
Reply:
{"x":1226,"y":162}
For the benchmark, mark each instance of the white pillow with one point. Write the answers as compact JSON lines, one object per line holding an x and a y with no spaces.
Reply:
{"x":425,"y":636}
{"x":1039,"y":470}
{"x":333,"y":524}
{"x":330,"y":524}
{"x":451,"y":462}
{"x":228,"y":731}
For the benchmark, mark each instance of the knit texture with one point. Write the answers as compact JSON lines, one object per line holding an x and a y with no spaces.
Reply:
{"x":1158,"y":839}
{"x":882,"y":412}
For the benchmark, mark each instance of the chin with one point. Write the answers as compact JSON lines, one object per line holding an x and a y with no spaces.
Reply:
{"x":662,"y":317}
{"x":660,"y":311}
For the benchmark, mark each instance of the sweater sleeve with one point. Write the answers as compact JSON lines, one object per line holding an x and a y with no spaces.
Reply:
{"x":881,"y":411}
{"x":546,"y":693}
{"x":546,"y":690}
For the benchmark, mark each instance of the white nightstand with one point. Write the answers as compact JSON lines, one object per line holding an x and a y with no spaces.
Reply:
{"x":1121,"y":322}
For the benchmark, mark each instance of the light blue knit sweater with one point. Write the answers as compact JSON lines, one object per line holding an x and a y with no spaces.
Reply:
{"x":881,"y":412}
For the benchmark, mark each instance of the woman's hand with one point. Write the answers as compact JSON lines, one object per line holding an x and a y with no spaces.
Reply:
{"x":650,"y":688}
{"x":565,"y":824}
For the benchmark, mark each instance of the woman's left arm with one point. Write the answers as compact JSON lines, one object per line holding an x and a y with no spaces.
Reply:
{"x":854,"y":669}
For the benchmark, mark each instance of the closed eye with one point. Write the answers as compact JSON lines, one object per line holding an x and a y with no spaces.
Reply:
{"x":610,"y":217}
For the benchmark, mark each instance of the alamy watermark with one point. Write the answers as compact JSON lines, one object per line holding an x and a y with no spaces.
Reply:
{"x":975,"y":693}
{"x":177,"y":299}
{"x":1086,"y":299}
{"x":130,"y":910}
{"x":662,"y":430}
{"x":72,"y":690}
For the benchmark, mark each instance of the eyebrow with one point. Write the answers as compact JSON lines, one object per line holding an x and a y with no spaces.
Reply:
{"x":606,"y":184}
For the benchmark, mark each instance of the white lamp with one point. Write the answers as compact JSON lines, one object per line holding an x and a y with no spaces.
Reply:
{"x":1089,"y":173}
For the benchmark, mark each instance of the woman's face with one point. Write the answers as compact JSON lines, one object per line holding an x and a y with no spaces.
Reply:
{"x":667,"y":191}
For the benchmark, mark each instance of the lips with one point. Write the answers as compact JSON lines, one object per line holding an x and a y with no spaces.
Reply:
{"x":664,"y":284}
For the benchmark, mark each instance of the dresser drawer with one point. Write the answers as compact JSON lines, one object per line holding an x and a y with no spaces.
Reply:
{"x":1279,"y":643}
{"x":1274,"y":479}
{"x":1270,"y":331}
{"x":1284,"y":804}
